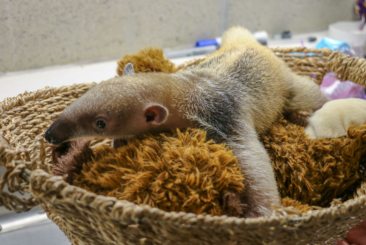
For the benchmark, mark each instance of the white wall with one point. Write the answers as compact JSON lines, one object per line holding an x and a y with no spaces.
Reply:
{"x":38,"y":33}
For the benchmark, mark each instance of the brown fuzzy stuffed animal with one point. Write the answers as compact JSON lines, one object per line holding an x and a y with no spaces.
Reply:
{"x":178,"y":171}
{"x":147,"y":60}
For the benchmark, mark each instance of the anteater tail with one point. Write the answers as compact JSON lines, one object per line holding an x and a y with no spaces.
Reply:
{"x":238,"y":35}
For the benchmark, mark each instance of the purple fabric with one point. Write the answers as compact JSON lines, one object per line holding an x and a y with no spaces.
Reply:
{"x":361,"y":11}
{"x":335,"y":89}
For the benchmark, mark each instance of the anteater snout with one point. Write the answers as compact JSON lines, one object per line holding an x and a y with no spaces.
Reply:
{"x":60,"y":131}
{"x":50,"y":138}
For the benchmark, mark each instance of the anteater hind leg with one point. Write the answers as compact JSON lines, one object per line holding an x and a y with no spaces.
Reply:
{"x":261,"y":190}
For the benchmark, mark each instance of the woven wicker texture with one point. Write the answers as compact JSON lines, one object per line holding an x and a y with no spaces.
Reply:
{"x":90,"y":219}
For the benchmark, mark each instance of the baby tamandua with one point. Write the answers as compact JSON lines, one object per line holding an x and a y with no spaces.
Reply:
{"x":235,"y":94}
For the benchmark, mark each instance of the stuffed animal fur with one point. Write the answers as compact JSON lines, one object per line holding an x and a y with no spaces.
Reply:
{"x":147,"y":60}
{"x":335,"y":117}
{"x":177,"y":171}
{"x":316,"y":171}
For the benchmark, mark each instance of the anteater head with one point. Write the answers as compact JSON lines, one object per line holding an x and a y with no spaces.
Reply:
{"x":117,"y":108}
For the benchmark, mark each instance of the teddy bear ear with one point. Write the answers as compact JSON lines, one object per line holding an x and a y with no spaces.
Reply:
{"x":129,"y":70}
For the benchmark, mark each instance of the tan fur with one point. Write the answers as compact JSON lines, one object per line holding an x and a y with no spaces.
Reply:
{"x":147,"y":60}
{"x":335,"y":117}
{"x":288,"y":202}
{"x":236,"y":93}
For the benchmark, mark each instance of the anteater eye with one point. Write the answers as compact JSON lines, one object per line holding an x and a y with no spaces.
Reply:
{"x":101,"y":124}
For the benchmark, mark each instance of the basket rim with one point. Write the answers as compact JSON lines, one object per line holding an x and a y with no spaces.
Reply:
{"x":42,"y":184}
{"x":323,"y":51}
{"x":44,"y":93}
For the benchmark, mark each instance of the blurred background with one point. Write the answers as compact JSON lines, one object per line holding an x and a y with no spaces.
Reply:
{"x":79,"y":41}
{"x":39,"y":33}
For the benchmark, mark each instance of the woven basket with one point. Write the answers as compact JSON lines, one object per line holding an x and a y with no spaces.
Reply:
{"x":86,"y":218}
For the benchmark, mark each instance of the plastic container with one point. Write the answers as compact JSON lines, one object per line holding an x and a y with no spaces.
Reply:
{"x":349,"y":32}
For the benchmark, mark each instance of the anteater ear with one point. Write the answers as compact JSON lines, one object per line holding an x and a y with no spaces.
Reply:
{"x":156,"y":114}
{"x":129,"y":70}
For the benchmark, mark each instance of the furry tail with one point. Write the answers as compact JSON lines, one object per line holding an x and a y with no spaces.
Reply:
{"x":305,"y":94}
{"x":238,"y":35}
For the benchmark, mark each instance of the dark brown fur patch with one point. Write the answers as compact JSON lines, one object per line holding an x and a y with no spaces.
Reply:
{"x":297,"y":117}
{"x":69,"y":157}
{"x":232,"y":205}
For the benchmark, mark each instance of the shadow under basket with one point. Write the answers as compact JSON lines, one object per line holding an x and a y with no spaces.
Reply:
{"x":87,"y":218}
